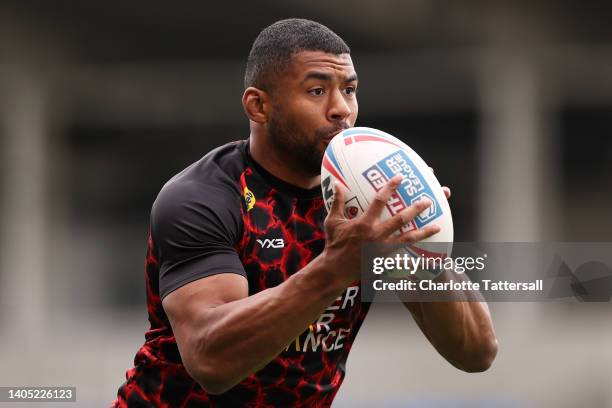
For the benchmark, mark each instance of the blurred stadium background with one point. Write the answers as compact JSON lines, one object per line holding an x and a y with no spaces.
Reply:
{"x":102,"y":102}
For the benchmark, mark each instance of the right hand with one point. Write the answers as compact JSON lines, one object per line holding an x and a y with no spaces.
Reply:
{"x":344,"y":237}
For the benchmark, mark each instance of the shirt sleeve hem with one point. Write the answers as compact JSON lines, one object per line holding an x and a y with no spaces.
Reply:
{"x":192,"y":278}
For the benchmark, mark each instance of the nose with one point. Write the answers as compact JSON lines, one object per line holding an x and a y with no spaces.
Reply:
{"x":339,"y":108}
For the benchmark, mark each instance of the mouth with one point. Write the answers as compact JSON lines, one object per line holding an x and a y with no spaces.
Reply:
{"x":333,"y":134}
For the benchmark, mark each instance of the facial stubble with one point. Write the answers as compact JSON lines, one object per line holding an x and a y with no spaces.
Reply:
{"x":301,"y":151}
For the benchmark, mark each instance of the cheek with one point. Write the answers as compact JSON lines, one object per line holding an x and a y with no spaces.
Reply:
{"x":308,"y":115}
{"x":354,"y":111}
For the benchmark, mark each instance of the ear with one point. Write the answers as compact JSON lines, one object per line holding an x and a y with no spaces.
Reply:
{"x":256,"y":104}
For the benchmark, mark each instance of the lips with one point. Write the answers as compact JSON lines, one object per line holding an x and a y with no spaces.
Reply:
{"x":333,"y":134}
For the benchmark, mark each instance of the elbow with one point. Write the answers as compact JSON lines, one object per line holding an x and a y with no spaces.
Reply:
{"x":214,"y":385}
{"x":211,"y":378}
{"x":211,"y":369}
{"x":480,"y":358}
{"x":215,"y":388}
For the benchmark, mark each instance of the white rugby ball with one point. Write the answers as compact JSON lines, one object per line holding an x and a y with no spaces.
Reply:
{"x":363,"y":159}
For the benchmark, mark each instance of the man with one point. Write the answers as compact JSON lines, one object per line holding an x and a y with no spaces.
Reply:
{"x":252,"y":292}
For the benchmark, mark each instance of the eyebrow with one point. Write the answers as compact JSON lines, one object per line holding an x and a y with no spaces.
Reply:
{"x":326,"y":77}
{"x":351,"y":78}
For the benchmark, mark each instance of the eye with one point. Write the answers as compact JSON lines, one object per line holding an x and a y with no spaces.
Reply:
{"x":317,"y":91}
{"x":350,"y":90}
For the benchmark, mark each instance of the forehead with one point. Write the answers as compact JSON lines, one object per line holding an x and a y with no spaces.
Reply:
{"x":304,"y":62}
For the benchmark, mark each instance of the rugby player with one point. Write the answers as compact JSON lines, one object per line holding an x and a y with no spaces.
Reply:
{"x":252,"y":291}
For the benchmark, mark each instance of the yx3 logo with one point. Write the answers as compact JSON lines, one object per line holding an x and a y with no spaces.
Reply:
{"x":271,"y":243}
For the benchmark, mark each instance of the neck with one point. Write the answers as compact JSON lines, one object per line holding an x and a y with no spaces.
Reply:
{"x":268,"y":157}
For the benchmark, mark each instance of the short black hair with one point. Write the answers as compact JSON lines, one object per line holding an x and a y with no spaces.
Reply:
{"x":274,"y":46}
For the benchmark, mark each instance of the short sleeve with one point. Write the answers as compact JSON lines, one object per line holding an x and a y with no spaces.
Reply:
{"x":195,"y":228}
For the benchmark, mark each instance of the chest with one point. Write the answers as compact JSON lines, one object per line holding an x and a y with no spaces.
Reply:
{"x":281,"y":235}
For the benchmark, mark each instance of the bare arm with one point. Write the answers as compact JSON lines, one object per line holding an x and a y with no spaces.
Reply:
{"x":224,"y":335}
{"x":462,"y":332}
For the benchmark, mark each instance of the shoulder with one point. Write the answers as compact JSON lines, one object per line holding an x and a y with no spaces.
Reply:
{"x":208,"y":190}
{"x":212,"y":180}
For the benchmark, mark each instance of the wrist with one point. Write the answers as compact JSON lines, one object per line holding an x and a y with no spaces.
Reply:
{"x":335,"y":278}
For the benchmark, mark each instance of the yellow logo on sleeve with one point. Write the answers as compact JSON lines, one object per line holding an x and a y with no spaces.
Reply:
{"x":249,"y":198}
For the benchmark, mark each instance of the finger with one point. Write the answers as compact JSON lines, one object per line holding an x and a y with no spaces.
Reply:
{"x":402,"y":218}
{"x":337,"y":207}
{"x":447,"y":191}
{"x":416,"y":235}
{"x":431,"y":168}
{"x":381,"y":198}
